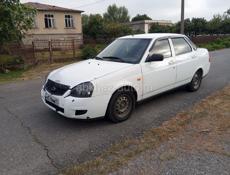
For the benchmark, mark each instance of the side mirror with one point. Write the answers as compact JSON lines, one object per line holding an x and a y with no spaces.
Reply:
{"x":155,"y":57}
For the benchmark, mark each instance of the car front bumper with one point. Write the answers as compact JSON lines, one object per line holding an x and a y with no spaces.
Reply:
{"x":78,"y":108}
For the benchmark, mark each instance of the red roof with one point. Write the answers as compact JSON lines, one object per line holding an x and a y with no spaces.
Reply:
{"x":46,"y":7}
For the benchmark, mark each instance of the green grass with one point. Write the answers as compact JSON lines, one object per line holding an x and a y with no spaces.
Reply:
{"x":217,"y":44}
{"x":9,"y":59}
{"x":11,"y":76}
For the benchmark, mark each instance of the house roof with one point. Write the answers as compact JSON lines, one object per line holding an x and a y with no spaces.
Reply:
{"x":46,"y":7}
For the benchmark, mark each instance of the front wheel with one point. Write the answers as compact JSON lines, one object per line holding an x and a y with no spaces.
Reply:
{"x":121,"y":106}
{"x":194,"y":85}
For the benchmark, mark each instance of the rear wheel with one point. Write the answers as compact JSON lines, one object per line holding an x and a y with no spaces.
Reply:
{"x":121,"y":106}
{"x":194,"y":85}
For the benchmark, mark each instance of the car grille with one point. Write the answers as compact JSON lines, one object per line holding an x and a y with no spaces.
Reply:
{"x":56,"y":88}
{"x":58,"y":109}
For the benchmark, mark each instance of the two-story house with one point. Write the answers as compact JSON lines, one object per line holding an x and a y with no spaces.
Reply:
{"x":52,"y":22}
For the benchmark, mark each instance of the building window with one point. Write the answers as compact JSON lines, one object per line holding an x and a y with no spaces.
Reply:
{"x":69,"y":21}
{"x":49,"y":21}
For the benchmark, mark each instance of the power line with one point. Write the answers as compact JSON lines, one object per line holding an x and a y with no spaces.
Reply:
{"x":89,"y":4}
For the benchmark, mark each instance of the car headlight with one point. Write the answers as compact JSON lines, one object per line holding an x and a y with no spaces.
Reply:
{"x":82,"y":90}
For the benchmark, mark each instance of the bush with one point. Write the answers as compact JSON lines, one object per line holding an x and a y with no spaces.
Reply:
{"x":114,"y":30}
{"x":90,"y":51}
{"x":9,"y":61}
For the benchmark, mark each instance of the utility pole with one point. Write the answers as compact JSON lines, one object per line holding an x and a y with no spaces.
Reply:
{"x":182,"y":18}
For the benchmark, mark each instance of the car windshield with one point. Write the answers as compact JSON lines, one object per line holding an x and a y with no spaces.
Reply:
{"x":125,"y":50}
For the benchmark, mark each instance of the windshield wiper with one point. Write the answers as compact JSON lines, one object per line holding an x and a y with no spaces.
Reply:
{"x":115,"y":58}
{"x":98,"y":58}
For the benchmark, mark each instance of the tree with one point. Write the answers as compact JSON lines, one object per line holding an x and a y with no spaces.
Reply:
{"x":188,"y":30}
{"x":157,"y":28}
{"x":228,"y":11}
{"x":85,"y":20}
{"x":16,"y":19}
{"x":214,"y":25}
{"x":199,"y":26}
{"x":116,"y":14}
{"x":139,"y":17}
{"x":114,"y":30}
{"x":93,"y":25}
{"x":225,"y":25}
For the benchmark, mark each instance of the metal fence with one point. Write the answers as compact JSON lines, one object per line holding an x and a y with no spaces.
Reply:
{"x":47,"y":50}
{"x":63,"y":50}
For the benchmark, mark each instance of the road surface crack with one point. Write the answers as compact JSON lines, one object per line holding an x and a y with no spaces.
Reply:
{"x":35,"y":139}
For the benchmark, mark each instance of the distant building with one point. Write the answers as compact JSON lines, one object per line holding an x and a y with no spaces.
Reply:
{"x":145,"y":25}
{"x":52,"y":22}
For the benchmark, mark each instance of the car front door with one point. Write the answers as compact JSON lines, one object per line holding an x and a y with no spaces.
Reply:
{"x":159,"y":75}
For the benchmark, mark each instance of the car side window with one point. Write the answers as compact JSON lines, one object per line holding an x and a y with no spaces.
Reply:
{"x":161,"y":47}
{"x":181,"y":46}
{"x":192,"y":44}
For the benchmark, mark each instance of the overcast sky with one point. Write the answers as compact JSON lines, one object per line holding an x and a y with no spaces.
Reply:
{"x":156,"y":9}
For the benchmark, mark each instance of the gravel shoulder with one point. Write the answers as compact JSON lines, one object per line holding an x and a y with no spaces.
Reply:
{"x":196,"y":141}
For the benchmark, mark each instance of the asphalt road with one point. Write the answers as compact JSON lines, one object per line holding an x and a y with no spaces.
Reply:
{"x":36,"y":140}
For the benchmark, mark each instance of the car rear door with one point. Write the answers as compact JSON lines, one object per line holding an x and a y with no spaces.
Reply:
{"x":185,"y":59}
{"x":159,"y":75}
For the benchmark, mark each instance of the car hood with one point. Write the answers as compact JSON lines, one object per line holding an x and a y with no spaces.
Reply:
{"x":84,"y":71}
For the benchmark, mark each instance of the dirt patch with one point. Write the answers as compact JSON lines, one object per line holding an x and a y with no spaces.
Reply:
{"x":42,"y":70}
{"x":204,"y":129}
{"x":35,"y":72}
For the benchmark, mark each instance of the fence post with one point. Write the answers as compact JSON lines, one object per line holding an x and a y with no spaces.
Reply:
{"x":50,"y":51}
{"x":73,"y":46}
{"x":34,"y":54}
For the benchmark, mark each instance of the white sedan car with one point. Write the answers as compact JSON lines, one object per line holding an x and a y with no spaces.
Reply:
{"x":130,"y":69}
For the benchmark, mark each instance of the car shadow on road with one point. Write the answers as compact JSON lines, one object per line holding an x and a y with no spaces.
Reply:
{"x":104,"y":121}
{"x":162,"y":95}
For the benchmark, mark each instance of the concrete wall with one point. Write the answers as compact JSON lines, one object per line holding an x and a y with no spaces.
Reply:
{"x":145,"y":25}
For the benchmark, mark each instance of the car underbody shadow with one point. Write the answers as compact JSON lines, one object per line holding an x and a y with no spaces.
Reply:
{"x":171,"y":92}
{"x":103,"y":119}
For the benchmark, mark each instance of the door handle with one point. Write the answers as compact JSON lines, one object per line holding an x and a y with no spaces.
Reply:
{"x":193,"y":56}
{"x":171,"y":62}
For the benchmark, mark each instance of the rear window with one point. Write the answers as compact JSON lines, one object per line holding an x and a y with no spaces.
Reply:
{"x":181,"y":46}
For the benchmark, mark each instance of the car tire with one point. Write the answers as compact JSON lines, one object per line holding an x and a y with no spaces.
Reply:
{"x":194,"y":85}
{"x":121,"y":105}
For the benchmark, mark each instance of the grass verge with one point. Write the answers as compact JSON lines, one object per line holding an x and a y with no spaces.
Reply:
{"x":35,"y":72}
{"x":211,"y":116}
{"x":217,"y":44}
{"x":11,"y":76}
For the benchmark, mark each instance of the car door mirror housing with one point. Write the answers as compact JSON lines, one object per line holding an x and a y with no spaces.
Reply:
{"x":155,"y":57}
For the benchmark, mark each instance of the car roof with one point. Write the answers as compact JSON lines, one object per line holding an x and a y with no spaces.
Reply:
{"x":153,"y":35}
